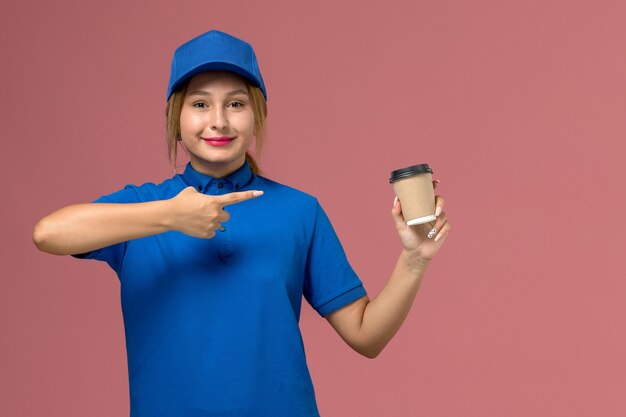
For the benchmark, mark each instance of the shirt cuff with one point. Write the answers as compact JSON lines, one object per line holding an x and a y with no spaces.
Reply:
{"x":341,"y":300}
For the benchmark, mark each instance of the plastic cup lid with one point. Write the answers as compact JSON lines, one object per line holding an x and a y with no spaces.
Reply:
{"x":401,"y":173}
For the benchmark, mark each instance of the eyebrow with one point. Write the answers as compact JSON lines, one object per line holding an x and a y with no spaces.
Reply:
{"x":206,"y":93}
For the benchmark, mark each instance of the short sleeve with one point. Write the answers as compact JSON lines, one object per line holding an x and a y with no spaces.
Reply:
{"x":329,"y":281}
{"x":113,"y":254}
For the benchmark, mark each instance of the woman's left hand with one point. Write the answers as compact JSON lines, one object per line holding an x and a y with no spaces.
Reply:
{"x":419,"y":239}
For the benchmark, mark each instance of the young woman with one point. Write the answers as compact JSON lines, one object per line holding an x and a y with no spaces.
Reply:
{"x":213,"y":263}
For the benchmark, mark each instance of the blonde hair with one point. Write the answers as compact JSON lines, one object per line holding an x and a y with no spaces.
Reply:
{"x":172,"y":122}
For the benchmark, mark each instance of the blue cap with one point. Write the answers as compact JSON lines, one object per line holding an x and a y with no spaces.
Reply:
{"x":214,"y":51}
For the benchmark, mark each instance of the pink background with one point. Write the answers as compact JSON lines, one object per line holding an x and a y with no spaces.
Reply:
{"x":518,"y":107}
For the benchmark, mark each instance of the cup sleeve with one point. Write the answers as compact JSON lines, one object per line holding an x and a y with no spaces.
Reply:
{"x":113,"y":254}
{"x":330,"y":282}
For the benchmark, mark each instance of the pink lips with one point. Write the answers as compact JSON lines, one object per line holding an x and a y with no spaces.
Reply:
{"x":218,"y":141}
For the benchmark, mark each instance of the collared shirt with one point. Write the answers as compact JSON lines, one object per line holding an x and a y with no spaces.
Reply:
{"x":211,"y":325}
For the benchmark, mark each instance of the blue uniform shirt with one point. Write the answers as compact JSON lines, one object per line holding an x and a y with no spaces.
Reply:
{"x":211,"y":325}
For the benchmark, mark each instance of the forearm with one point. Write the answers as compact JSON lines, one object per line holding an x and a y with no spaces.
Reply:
{"x":81,"y":228}
{"x":384,"y":315}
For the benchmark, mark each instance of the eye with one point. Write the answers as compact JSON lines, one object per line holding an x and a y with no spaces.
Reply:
{"x":240,"y":104}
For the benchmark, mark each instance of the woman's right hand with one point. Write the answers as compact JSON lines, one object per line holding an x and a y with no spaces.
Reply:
{"x":200,"y":215}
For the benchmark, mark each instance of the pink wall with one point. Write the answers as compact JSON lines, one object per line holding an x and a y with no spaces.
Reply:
{"x":518,"y":107}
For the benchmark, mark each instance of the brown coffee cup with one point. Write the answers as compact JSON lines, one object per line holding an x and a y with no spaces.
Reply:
{"x":413,"y":186}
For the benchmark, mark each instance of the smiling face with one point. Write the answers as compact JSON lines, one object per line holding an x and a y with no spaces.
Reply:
{"x":216,"y":104}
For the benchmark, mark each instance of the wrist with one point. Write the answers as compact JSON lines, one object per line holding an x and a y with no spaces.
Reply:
{"x":414,"y":260}
{"x":166,"y":214}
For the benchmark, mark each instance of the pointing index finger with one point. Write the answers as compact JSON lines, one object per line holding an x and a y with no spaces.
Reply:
{"x":239,"y":196}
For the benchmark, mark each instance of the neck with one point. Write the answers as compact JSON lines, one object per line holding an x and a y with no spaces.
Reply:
{"x":217,"y":170}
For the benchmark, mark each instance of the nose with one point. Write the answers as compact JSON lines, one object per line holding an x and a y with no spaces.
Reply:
{"x":217,"y":118}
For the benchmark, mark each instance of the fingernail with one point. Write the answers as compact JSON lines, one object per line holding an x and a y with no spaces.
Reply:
{"x":438,"y":211}
{"x":395,"y":201}
{"x":257,"y":193}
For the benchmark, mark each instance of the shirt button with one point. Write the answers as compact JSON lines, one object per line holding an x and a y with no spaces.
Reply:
{"x":199,"y":188}
{"x":222,"y":228}
{"x":220,"y":185}
{"x":237,"y":186}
